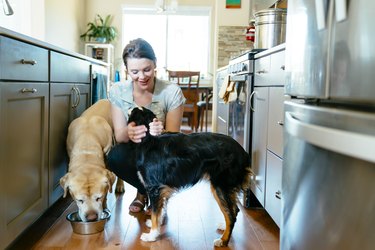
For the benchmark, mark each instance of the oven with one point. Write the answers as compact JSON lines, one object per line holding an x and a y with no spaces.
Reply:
{"x":240,"y":71}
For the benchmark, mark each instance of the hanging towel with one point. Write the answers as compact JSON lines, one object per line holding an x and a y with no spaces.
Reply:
{"x":231,"y":94}
{"x":224,"y":87}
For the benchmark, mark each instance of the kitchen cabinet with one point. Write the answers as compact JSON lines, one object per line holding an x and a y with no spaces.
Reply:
{"x":69,"y":97}
{"x":24,"y":98}
{"x":274,"y":152}
{"x":41,"y":92}
{"x":267,"y":145}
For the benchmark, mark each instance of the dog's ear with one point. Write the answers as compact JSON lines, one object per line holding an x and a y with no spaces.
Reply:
{"x":111,"y":178}
{"x":64,"y":183}
{"x":149,"y":115}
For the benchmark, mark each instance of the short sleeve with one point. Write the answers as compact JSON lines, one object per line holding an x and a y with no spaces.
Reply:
{"x":120,"y":95}
{"x":175,"y":97}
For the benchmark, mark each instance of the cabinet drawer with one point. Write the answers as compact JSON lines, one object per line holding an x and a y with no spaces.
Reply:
{"x":22,"y":61}
{"x":262,"y":71}
{"x":276,"y":120}
{"x":277,"y":72}
{"x":69,"y":69}
{"x":273,"y":187}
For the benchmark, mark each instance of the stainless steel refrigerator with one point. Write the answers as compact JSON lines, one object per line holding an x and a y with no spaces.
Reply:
{"x":328,"y":182}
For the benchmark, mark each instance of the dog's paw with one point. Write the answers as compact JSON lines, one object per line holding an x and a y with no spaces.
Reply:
{"x":148,"y":223}
{"x":219,"y":243}
{"x":152,"y":236}
{"x":120,"y":186}
{"x":221,"y":226}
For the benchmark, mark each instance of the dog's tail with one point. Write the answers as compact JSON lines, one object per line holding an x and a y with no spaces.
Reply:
{"x":248,"y":177}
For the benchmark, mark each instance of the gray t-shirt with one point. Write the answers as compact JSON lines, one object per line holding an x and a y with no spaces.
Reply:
{"x":166,"y":97}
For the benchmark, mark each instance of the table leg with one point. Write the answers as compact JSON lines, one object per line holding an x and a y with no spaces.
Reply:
{"x":206,"y":109}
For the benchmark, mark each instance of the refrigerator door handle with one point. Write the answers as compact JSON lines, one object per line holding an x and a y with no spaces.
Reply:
{"x":341,"y":10}
{"x":320,"y":13}
{"x":352,"y":144}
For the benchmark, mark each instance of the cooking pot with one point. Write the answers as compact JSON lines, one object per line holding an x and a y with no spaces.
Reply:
{"x":270,"y":28}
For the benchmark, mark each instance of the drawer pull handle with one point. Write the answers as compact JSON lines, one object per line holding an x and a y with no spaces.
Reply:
{"x":278,"y":194}
{"x":31,"y":62}
{"x":250,"y":101}
{"x":281,"y":123}
{"x":76,"y":97}
{"x":261,"y":71}
{"x":282,"y":67}
{"x":25,"y":90}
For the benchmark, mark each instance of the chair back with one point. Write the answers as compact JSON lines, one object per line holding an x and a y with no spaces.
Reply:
{"x":189,"y":83}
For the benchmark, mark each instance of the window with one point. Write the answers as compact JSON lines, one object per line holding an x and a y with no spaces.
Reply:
{"x":180,"y":39}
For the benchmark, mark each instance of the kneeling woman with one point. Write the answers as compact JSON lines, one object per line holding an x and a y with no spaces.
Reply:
{"x":165,"y":99}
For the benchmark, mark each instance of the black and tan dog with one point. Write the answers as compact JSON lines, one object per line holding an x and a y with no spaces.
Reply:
{"x":175,"y":160}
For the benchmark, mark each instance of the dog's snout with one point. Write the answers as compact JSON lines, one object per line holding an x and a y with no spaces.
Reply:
{"x":91,"y":216}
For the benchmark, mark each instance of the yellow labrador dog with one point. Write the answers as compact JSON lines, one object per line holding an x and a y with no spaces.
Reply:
{"x":88,"y":181}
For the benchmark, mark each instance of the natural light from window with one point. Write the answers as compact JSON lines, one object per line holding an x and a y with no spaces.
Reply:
{"x":180,"y":39}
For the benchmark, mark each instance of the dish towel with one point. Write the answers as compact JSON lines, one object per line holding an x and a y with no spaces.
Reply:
{"x":227,"y":91}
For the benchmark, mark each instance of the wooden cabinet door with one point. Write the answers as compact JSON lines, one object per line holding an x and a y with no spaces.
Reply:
{"x":66,"y":104}
{"x":259,"y":142}
{"x":23,"y":156}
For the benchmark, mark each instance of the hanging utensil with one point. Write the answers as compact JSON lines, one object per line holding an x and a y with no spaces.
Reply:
{"x":7,"y":8}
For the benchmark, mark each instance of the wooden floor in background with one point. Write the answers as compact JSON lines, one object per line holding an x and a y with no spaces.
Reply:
{"x":193,"y":218}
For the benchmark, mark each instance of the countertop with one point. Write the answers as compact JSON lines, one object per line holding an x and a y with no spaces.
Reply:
{"x":30,"y":40}
{"x":270,"y":51}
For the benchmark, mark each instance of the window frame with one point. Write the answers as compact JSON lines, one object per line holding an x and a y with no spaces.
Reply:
{"x":182,"y":10}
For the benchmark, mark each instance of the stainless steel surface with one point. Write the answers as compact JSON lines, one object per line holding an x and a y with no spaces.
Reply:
{"x":239,"y":123}
{"x":91,"y":227}
{"x":270,"y":28}
{"x":241,"y":71}
{"x":328,"y":198}
{"x":222,"y":108}
{"x":329,"y":159}
{"x":329,"y":55}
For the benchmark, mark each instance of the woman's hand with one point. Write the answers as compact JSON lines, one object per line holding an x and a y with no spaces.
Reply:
{"x":136,"y":133}
{"x":156,"y":127}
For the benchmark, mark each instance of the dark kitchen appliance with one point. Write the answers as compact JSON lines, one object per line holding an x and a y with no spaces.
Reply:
{"x":328,"y":182}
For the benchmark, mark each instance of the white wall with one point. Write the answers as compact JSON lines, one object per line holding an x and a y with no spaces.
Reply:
{"x":28,"y":17}
{"x":65,"y":21}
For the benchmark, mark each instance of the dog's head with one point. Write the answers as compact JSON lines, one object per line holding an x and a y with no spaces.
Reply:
{"x":141,"y":116}
{"x":88,"y":187}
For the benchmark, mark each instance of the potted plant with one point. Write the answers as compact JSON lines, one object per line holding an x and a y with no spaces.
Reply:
{"x":100,"y":30}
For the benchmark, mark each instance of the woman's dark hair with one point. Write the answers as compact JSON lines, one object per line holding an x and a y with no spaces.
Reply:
{"x":138,"y":48}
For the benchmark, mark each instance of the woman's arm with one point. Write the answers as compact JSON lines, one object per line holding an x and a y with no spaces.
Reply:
{"x":173,"y":119}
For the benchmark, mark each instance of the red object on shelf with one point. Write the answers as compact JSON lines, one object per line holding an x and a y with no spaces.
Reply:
{"x":250,"y":33}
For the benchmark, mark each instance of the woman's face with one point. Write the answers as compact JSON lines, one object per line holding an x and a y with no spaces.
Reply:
{"x":142,"y":72}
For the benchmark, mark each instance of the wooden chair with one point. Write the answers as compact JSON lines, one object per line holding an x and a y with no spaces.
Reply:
{"x":189,"y":83}
{"x":202,"y":108}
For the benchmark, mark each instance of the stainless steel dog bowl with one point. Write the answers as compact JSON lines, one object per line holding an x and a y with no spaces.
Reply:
{"x":89,"y":227}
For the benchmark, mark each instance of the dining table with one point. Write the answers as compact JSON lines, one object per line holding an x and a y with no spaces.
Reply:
{"x":204,"y":89}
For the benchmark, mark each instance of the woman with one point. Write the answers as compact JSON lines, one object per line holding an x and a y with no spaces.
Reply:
{"x":165,"y":99}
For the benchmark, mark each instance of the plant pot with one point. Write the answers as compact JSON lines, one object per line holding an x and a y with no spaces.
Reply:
{"x":101,"y":39}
